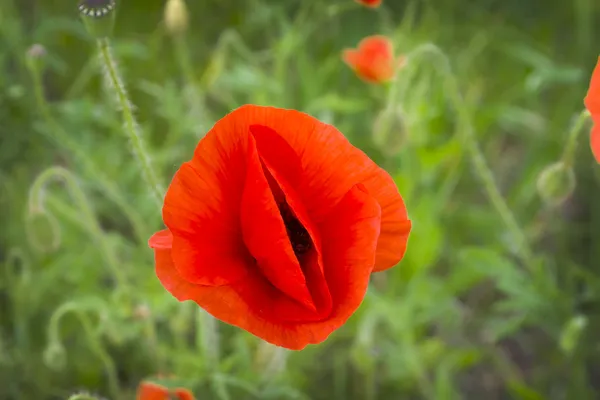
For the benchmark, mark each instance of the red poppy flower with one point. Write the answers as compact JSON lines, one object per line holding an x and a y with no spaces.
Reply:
{"x":373,"y":60}
{"x":276,"y":224}
{"x":153,"y":391}
{"x":592,"y":103}
{"x":370,"y":3}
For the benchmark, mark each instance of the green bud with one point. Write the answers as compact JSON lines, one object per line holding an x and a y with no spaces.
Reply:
{"x":556,"y":183}
{"x":176,"y":17}
{"x":55,"y":357}
{"x":35,"y":57}
{"x":98,"y":16}
{"x":571,"y":333}
{"x":389,"y":131}
{"x":43,"y":231}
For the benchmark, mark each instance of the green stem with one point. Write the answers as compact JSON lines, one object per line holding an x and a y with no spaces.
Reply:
{"x":469,"y":137}
{"x":131,"y":125}
{"x":569,"y":152}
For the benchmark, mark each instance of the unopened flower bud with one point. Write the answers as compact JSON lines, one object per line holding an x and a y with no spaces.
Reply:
{"x":35,"y":57}
{"x":389,"y":131}
{"x":55,"y":357}
{"x":98,"y":16}
{"x":556,"y":183}
{"x":176,"y":17}
{"x":141,"y":312}
{"x":36,"y":51}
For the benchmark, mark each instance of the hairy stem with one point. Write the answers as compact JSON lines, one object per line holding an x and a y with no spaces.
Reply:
{"x":131,"y":125}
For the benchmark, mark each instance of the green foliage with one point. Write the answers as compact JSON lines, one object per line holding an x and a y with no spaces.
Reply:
{"x":473,"y":311}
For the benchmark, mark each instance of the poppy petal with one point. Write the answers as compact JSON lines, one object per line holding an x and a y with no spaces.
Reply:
{"x":592,"y":99}
{"x":373,"y":60}
{"x":165,"y":268}
{"x":265,"y":234}
{"x":350,"y":232}
{"x":370,"y":3}
{"x":283,"y":166}
{"x":183,"y":394}
{"x":152,"y":391}
{"x":201,"y":209}
{"x":330,"y":166}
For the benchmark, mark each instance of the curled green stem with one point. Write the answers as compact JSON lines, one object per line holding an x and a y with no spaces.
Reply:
{"x":571,"y":146}
{"x":470,"y":140}
{"x":131,"y":125}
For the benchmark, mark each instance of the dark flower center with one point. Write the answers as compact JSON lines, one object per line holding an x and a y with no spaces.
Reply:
{"x":297,"y":233}
{"x":96,"y":8}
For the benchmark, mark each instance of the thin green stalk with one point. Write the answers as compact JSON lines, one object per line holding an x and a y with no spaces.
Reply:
{"x":131,"y":125}
{"x":207,"y":337}
{"x":469,"y":137}
{"x":109,"y":189}
{"x":569,"y":152}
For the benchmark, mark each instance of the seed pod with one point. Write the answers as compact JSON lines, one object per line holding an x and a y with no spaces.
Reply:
{"x":98,"y":16}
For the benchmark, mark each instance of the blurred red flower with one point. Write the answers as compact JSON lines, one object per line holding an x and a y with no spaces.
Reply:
{"x":592,"y":103}
{"x":373,"y":60}
{"x":153,"y":391}
{"x":370,"y":3}
{"x":276,"y":224}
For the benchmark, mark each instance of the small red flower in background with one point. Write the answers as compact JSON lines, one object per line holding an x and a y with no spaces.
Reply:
{"x":373,"y":60}
{"x":592,"y":103}
{"x":153,"y":391}
{"x":276,"y":225}
{"x":370,"y":3}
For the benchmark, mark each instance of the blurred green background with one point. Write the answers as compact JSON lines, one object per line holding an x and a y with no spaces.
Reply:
{"x":466,"y":315}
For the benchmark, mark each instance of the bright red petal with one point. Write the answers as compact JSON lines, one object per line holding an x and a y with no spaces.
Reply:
{"x":152,"y":391}
{"x":350,"y":231}
{"x":202,"y":209}
{"x":183,"y":394}
{"x":592,"y":99}
{"x":370,"y":3}
{"x":265,"y":234}
{"x":373,"y":60}
{"x":330,"y":166}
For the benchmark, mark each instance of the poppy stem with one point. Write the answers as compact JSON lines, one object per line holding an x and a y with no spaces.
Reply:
{"x":477,"y":158}
{"x":569,"y":152}
{"x":131,"y":125}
